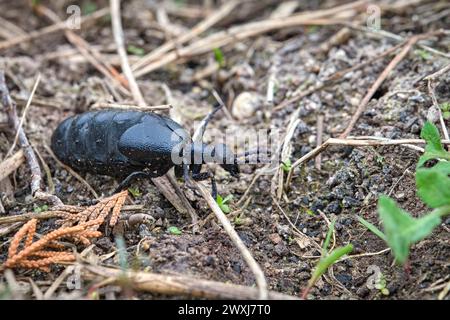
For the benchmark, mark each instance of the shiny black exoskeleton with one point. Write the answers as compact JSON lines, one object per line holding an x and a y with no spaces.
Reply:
{"x":131,"y":144}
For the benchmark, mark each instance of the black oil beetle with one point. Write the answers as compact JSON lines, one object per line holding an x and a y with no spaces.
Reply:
{"x":134,"y":144}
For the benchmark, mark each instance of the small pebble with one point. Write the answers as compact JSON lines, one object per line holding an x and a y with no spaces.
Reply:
{"x":245,"y":105}
{"x":275,"y":238}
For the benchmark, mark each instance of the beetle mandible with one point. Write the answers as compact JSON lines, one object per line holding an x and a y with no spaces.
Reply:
{"x":133,"y":144}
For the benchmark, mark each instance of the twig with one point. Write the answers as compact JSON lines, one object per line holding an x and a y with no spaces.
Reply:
{"x":48,"y":174}
{"x":247,"y":191}
{"x":179,"y":284}
{"x":169,"y":28}
{"x":186,"y":11}
{"x":436,"y":285}
{"x":283,"y":152}
{"x":67,"y":271}
{"x":438,"y":109}
{"x":355,"y":141}
{"x":438,"y":73}
{"x":319,"y":139}
{"x":24,"y":114}
{"x":241,"y":32}
{"x":300,"y":96}
{"x":27,"y":216}
{"x":94,"y":58}
{"x":336,"y":76}
{"x":92,"y":55}
{"x":390,"y":35}
{"x":6,"y":230}
{"x":367,"y":254}
{"x":37,"y":292}
{"x":271,"y":81}
{"x":204,"y":25}
{"x":60,"y":25}
{"x":11,"y":164}
{"x":248,"y":258}
{"x":341,"y":73}
{"x":335,"y":40}
{"x":100,"y":105}
{"x":120,"y":43}
{"x":166,"y":184}
{"x":398,"y":180}
{"x":394,"y":62}
{"x":36,"y":174}
{"x":444,"y":291}
{"x":299,"y":233}
{"x":10,"y":30}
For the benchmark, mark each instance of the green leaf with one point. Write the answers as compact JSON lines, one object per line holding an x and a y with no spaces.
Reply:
{"x":135,"y":50}
{"x":385,"y":291}
{"x":431,"y":135}
{"x":218,"y":55}
{"x":401,"y":229}
{"x":425,"y":55}
{"x":445,"y":106}
{"x":42,"y":208}
{"x":433,"y":184}
{"x":380,"y":283}
{"x":228,"y":198}
{"x":372,"y":228}
{"x":326,"y":262}
{"x":446,"y":115}
{"x":326,"y":243}
{"x":174,"y":230}
{"x":223,"y":203}
{"x":286,"y":165}
{"x":135,"y":192}
{"x":434,"y":148}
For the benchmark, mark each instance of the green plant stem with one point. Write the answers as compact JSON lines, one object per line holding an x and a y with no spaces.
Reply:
{"x":324,"y":264}
{"x":442,"y":211}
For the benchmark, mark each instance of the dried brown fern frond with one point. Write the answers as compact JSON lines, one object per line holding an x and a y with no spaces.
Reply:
{"x":36,"y":255}
{"x":75,"y":215}
{"x":77,"y":223}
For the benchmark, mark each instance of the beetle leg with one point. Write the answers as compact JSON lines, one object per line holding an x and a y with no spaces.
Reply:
{"x":128,"y":180}
{"x":205,"y":175}
{"x":188,"y":180}
{"x":178,"y":171}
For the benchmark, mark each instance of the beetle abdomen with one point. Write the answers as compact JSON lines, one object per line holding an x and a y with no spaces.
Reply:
{"x":117,"y":143}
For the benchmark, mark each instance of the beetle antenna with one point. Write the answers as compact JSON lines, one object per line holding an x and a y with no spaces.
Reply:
{"x":198,"y":135}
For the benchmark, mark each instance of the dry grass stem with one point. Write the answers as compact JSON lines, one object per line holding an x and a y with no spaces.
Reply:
{"x":394,"y":62}
{"x":248,"y":258}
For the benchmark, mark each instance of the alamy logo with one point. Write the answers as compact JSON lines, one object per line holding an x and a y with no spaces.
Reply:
{"x":73,"y":281}
{"x":74,"y":20}
{"x":373,"y":17}
{"x":375,"y":278}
